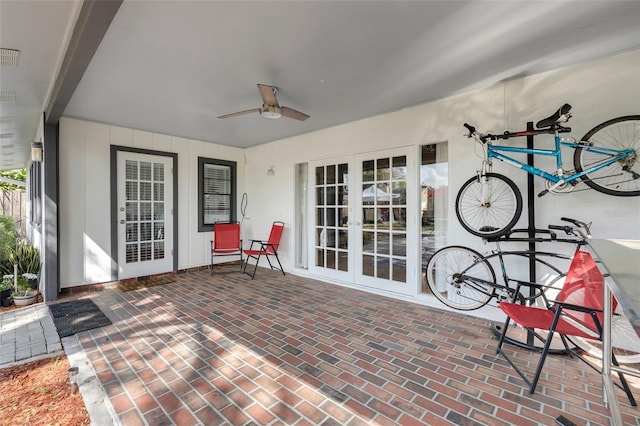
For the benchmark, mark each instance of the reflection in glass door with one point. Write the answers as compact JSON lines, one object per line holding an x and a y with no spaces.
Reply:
{"x":384,"y":219}
{"x":331,"y":233}
{"x":434,"y":183}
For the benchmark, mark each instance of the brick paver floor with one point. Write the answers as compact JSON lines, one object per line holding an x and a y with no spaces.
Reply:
{"x":294,"y":351}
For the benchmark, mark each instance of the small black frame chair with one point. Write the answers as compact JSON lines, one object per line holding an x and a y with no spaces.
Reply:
{"x":267,"y":248}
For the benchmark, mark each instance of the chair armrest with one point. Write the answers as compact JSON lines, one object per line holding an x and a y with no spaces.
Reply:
{"x":254,"y":242}
{"x":578,"y":308}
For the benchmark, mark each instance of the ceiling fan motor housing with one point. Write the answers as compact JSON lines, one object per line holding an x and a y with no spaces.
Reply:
{"x":270,"y":111}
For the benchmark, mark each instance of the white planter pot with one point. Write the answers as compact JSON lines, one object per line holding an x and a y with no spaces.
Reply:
{"x":25,"y":300}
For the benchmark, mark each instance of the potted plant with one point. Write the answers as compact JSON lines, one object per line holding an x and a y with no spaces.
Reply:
{"x":27,"y":258}
{"x":32,"y":280}
{"x":24,"y":295}
{"x":6,"y":286}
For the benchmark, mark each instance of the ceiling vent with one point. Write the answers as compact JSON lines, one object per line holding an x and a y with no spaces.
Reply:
{"x":9,"y":58}
{"x":7,"y":96}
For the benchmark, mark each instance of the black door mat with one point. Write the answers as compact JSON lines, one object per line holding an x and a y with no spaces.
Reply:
{"x":76,"y":316}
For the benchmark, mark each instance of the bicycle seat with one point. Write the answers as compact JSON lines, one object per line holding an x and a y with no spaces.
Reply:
{"x":550,"y":121}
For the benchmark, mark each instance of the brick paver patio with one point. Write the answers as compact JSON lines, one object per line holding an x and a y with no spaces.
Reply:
{"x":294,"y":351}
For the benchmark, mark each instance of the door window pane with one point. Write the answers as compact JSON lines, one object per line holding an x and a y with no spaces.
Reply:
{"x":331,"y":210}
{"x":384,"y":199}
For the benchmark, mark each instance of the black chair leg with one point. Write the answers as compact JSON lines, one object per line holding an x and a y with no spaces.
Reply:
{"x":255,"y":268}
{"x":623,"y":382}
{"x":279,"y":264}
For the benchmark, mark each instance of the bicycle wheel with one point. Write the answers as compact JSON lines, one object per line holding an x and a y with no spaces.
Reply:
{"x":622,"y":178}
{"x":499,"y":211}
{"x":624,"y":340}
{"x":459,"y":277}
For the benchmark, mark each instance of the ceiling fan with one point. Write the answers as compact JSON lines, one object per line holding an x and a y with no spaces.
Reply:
{"x":270,"y":106}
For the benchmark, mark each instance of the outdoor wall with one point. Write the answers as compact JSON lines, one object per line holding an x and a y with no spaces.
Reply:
{"x":598,"y":91}
{"x":85,"y":232}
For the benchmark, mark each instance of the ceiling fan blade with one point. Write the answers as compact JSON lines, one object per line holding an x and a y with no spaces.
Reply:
{"x":234,"y":114}
{"x":292,"y":113}
{"x":268,"y":94}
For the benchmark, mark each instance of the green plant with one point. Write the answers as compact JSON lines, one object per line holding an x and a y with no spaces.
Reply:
{"x":28,"y":258}
{"x":6,"y":284}
{"x":24,"y":289}
{"x":8,"y":236}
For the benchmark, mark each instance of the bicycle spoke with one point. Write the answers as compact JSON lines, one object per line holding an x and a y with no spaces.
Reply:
{"x":493,"y":214}
{"x":456,"y":276}
{"x":621,"y":178}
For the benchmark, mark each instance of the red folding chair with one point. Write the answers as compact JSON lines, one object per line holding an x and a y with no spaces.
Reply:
{"x":578,"y":311}
{"x":226,"y":241}
{"x":267,"y":249}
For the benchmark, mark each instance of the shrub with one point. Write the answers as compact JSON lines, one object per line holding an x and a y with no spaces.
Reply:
{"x":8,"y":238}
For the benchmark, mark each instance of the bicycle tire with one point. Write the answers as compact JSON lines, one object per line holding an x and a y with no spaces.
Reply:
{"x":498,"y":216}
{"x":461,"y":295}
{"x":625,"y":344}
{"x":618,"y":133}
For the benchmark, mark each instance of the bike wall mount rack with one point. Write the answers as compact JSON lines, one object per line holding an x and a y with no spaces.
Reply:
{"x":533,"y":236}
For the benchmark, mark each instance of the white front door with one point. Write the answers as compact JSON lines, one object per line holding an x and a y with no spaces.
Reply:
{"x":145,"y":218}
{"x":362,"y":216}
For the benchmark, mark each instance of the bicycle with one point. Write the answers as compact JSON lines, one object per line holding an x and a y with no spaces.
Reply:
{"x":489,"y":204}
{"x":464,"y":279}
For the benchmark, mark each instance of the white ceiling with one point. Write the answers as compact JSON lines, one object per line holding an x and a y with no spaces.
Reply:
{"x":173,"y":66}
{"x":38,"y":30}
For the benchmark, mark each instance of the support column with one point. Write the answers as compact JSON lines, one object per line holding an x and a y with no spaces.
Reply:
{"x":51,"y":267}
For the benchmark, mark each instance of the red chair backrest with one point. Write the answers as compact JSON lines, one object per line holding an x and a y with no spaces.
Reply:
{"x":226,"y":236}
{"x":583,"y":287}
{"x":274,"y":236}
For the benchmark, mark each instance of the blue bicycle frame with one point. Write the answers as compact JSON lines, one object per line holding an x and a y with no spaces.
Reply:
{"x":495,"y":151}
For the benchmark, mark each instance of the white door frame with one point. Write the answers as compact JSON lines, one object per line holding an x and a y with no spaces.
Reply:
{"x":320,"y":237}
{"x":411,"y":232}
{"x":354,"y":225}
{"x":171,"y":214}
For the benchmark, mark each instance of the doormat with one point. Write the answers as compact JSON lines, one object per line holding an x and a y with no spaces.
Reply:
{"x":76,"y":316}
{"x":134,"y":284}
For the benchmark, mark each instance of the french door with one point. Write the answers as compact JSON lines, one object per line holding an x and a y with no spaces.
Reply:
{"x":362,"y":220}
{"x":145,"y":222}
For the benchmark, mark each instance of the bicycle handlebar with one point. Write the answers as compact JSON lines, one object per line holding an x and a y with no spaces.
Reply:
{"x":581,"y":228}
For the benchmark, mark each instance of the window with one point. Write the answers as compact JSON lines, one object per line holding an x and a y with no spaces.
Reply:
{"x":35,"y":194}
{"x":216,"y":192}
{"x":434,"y":184}
{"x":301,"y":224}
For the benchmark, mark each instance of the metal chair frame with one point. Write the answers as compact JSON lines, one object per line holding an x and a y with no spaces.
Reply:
{"x":226,"y":242}
{"x":267,"y":249}
{"x":563,"y":317}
